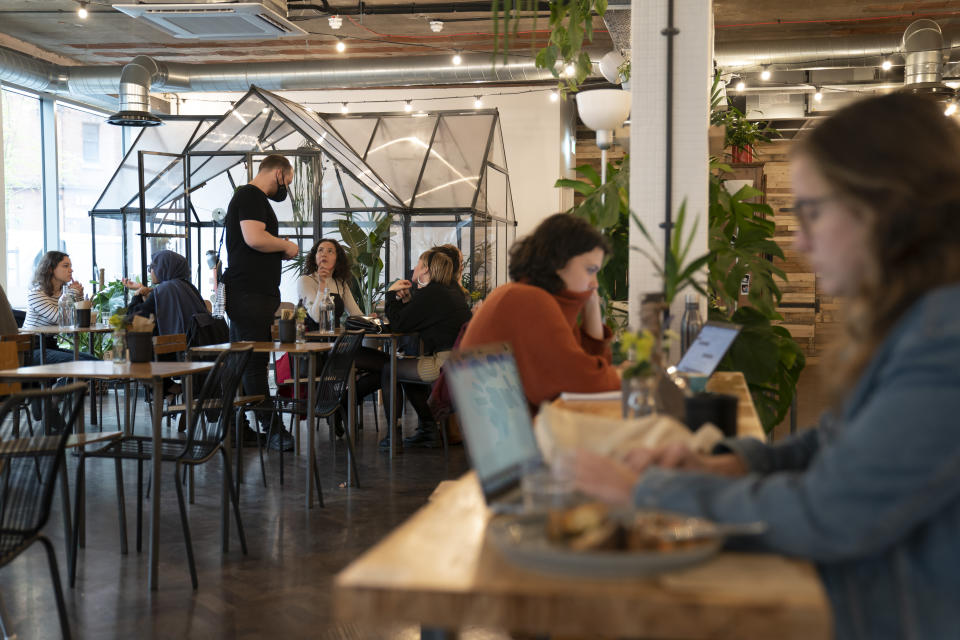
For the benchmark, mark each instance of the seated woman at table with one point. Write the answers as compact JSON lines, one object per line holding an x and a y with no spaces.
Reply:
{"x":554,"y":273}
{"x":327,"y":266}
{"x":436,"y":311}
{"x":54,"y":271}
{"x":872,"y":495}
{"x":172,"y":300}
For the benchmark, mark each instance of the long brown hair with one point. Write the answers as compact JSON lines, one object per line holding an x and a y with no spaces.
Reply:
{"x":43,"y":276}
{"x":895,"y":161}
{"x":341,"y":269}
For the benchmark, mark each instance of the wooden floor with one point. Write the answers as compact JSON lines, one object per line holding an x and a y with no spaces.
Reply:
{"x":280,"y":590}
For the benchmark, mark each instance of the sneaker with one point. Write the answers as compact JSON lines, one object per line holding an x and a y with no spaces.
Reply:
{"x":281,"y":438}
{"x":426,"y":437}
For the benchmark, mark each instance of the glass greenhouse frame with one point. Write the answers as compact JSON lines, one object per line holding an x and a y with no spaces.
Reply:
{"x":441,"y":175}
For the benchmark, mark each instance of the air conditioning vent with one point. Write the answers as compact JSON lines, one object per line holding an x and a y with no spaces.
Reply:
{"x":198,"y":20}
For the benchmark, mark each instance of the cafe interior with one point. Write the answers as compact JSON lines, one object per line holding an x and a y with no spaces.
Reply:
{"x":127,"y":129}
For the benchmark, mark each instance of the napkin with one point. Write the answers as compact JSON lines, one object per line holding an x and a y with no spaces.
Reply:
{"x":84,"y":304}
{"x":141,"y":324}
{"x":559,"y":430}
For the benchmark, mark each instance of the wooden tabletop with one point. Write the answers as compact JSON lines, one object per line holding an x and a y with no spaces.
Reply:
{"x":729,"y":382}
{"x":337,"y":332}
{"x":107,"y":370}
{"x":55,"y":329}
{"x":438,"y":570}
{"x":268,"y":347}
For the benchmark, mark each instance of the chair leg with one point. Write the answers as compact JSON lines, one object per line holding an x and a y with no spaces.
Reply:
{"x":186,"y":525}
{"x":121,"y":505}
{"x":353,"y":460}
{"x":139,"y":505}
{"x":57,"y":590}
{"x":74,"y":541}
{"x":234,"y":501}
{"x":263,"y":470}
{"x":68,"y":529}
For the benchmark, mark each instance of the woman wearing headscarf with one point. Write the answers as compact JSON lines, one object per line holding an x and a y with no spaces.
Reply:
{"x":173,"y":299}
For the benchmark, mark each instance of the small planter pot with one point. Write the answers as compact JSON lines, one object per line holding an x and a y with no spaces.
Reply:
{"x":287,"y":330}
{"x":741,"y":154}
{"x":140,"y":346}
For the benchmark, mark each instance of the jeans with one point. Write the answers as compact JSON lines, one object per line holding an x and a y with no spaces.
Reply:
{"x":251,"y":315}
{"x":55,"y":356}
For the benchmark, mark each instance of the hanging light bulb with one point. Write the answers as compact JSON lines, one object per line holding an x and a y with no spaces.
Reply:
{"x":456,"y":57}
{"x":741,"y":85}
{"x":344,"y":108}
{"x":335,"y":22}
{"x":818,"y":96}
{"x":408,"y":106}
{"x":886,"y":65}
{"x":765,"y":74}
{"x":82,"y":12}
{"x":477,"y":103}
{"x":554,"y":96}
{"x":951,"y":108}
{"x":341,"y":46}
{"x":569,"y":70}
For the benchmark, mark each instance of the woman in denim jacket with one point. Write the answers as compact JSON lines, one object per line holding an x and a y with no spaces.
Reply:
{"x":872,"y":495}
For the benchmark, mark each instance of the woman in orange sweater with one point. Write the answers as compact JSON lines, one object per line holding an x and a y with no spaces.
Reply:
{"x":554,"y":273}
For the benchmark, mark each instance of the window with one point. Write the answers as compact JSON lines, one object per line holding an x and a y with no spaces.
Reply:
{"x":81,"y":134}
{"x":23,"y":190}
{"x":91,"y":142}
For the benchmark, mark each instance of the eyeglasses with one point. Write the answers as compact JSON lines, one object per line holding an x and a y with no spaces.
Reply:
{"x":807,"y":210}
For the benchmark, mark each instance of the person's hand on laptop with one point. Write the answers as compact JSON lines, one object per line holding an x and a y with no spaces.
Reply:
{"x":679,"y":456}
{"x":604,"y":478}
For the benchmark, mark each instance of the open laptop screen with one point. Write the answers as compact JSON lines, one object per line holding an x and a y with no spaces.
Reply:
{"x":706,"y":352}
{"x":493,"y":414}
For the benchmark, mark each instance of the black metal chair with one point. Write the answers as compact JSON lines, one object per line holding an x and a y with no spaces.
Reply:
{"x":331,"y":385}
{"x":212,"y":417}
{"x":29,"y":464}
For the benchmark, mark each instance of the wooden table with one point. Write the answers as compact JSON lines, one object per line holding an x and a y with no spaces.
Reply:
{"x":438,"y":570}
{"x":154,"y":372}
{"x":394,"y":339}
{"x":729,"y":382}
{"x":310,"y":351}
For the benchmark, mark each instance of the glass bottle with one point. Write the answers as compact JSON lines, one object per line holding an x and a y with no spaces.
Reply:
{"x":301,"y":317}
{"x":331,"y":306}
{"x":690,"y":323}
{"x":119,"y":346}
{"x":66,"y":307}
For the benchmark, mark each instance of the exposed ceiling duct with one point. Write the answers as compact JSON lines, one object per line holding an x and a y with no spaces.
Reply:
{"x":924,"y":56}
{"x":211,"y":19}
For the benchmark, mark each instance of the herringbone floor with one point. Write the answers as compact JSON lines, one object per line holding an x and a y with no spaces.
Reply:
{"x":280,"y":590}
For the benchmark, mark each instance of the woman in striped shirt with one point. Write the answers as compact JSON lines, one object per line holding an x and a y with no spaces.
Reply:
{"x":53,"y":272}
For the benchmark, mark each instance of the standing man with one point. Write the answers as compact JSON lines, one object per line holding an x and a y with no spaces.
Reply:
{"x":252,"y":280}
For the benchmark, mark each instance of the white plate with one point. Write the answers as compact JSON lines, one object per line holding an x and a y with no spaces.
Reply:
{"x":522,"y":539}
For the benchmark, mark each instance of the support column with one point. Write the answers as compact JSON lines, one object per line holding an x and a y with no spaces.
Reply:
{"x":51,"y":203}
{"x":692,"y":74}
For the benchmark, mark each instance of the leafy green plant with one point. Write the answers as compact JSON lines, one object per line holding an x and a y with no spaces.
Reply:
{"x":674,"y":269}
{"x":110,"y":298}
{"x":364,"y":249}
{"x":571,"y":24}
{"x":741,"y":243}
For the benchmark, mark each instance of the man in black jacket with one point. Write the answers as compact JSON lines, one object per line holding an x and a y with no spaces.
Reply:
{"x":254,"y":256}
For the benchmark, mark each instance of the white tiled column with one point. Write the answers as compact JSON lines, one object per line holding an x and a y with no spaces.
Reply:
{"x":692,"y":74}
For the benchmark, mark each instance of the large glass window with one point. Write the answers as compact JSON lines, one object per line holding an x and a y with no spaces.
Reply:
{"x":23,"y":190}
{"x":88,"y":151}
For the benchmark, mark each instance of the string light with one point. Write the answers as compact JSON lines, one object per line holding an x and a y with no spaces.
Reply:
{"x":886,"y":65}
{"x":344,"y":108}
{"x":408,"y":106}
{"x":82,"y":12}
{"x":456,"y":57}
{"x":765,"y":74}
{"x":818,"y":96}
{"x":741,"y":85}
{"x":554,"y":96}
{"x":341,"y":46}
{"x":477,"y":103}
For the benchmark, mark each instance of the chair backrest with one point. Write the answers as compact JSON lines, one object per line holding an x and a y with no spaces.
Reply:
{"x":205,"y":329}
{"x":334,"y":377}
{"x":170,"y":343}
{"x":29,"y":462}
{"x":215,"y":400}
{"x":9,"y":360}
{"x":24,"y":342}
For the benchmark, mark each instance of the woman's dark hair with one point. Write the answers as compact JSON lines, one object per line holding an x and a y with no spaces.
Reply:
{"x":43,"y":276}
{"x":341,"y":270}
{"x":536,"y":258}
{"x":894,"y":161}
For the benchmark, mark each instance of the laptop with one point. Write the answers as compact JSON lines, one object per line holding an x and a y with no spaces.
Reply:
{"x":706,"y":352}
{"x":495,"y":421}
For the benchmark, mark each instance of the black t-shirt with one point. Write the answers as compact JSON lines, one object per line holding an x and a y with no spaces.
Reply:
{"x":248,"y":269}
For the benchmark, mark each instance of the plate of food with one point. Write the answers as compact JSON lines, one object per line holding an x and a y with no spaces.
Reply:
{"x":592,"y":539}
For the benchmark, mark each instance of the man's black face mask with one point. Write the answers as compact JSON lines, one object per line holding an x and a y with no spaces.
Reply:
{"x":281,"y":193}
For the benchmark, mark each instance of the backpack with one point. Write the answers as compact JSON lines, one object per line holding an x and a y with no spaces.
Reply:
{"x":206,"y":329}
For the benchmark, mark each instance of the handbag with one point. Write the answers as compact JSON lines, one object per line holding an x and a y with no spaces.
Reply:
{"x":367,"y":324}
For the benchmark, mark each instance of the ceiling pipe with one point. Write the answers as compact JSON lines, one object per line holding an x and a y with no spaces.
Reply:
{"x":923,"y":53}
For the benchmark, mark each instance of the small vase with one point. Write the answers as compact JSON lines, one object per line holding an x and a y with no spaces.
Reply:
{"x":119,"y":347}
{"x":638,"y":396}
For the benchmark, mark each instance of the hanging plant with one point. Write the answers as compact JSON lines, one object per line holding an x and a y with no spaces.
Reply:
{"x":571,"y":24}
